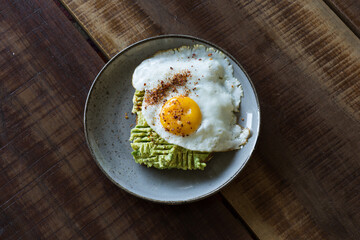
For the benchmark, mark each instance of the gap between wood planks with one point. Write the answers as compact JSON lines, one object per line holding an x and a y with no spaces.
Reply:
{"x":83,"y":33}
{"x":237,"y":216}
{"x":343,"y":17}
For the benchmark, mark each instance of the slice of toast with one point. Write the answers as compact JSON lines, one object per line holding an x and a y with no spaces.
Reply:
{"x":153,"y":151}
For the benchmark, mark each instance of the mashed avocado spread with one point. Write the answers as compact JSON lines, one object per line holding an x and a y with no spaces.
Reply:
{"x":153,"y":151}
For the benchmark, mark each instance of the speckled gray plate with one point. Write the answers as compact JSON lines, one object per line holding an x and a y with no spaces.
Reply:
{"x":107,"y":131}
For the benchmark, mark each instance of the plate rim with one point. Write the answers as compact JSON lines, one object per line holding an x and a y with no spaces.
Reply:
{"x":197,"y":198}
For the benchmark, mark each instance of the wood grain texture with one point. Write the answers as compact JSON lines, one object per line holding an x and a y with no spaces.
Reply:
{"x":50,"y":187}
{"x":119,"y":32}
{"x":349,"y":11}
{"x":304,"y":179}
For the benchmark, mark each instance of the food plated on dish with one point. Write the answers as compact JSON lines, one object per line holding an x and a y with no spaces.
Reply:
{"x":108,"y":124}
{"x":185,"y":101}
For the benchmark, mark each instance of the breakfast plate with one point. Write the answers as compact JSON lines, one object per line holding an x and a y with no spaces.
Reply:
{"x":108,"y":121}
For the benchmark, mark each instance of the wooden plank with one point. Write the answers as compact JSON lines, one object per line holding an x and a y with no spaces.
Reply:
{"x":303,"y":181}
{"x":118,"y":33}
{"x":348,"y":11}
{"x":50,"y":187}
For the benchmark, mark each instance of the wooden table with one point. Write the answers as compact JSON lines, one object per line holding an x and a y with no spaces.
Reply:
{"x":303,"y":181}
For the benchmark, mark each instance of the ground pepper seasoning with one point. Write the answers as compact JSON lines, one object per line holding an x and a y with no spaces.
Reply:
{"x":156,"y":95}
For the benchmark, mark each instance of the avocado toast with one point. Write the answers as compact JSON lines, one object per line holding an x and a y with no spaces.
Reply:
{"x":153,"y":151}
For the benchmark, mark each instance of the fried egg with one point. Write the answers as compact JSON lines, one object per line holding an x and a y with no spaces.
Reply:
{"x":191,"y":97}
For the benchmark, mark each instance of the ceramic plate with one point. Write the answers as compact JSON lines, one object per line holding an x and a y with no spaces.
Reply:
{"x":107,"y":130}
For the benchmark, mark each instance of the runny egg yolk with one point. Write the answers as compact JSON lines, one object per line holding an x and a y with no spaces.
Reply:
{"x":180,"y":115}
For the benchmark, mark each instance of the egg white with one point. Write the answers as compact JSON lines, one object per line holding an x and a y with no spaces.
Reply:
{"x":212,"y":86}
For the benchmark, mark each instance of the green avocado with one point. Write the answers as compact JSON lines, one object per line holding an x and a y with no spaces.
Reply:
{"x":153,"y":151}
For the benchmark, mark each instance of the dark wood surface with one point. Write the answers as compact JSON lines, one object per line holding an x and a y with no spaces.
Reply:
{"x":50,"y":186}
{"x":304,"y":179}
{"x":348,"y":11}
